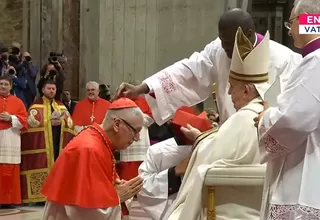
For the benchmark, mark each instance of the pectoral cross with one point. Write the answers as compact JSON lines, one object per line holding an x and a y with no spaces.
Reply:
{"x":92,"y":118}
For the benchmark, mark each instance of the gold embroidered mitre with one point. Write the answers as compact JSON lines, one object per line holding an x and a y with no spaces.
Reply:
{"x":251,"y":63}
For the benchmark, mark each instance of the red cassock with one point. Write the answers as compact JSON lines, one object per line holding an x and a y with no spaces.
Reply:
{"x":10,"y":190}
{"x":84,"y":174}
{"x":87,"y":112}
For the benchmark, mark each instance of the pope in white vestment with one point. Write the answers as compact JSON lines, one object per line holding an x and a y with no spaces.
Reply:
{"x":235,"y":144}
{"x":189,"y":81}
{"x":290,"y":134}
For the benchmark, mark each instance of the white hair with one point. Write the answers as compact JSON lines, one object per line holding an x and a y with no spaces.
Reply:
{"x":92,"y":83}
{"x":124,"y":113}
{"x":307,"y":6}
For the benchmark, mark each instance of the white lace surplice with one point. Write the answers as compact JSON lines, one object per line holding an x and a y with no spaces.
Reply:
{"x":289,"y":143}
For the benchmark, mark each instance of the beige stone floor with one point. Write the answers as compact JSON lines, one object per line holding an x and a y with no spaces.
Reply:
{"x":35,"y":213}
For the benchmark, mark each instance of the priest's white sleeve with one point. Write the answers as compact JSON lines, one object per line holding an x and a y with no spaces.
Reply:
{"x":153,"y":196}
{"x":282,"y":66}
{"x":160,"y":184}
{"x":56,"y":211}
{"x":284,"y":128}
{"x":184,"y":83}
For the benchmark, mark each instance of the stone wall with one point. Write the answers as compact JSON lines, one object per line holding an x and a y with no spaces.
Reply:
{"x":48,"y":26}
{"x":71,"y":36}
{"x":10,"y":21}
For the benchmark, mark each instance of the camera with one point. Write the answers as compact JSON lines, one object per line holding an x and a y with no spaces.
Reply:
{"x":27,"y":58}
{"x":51,"y":75}
{"x":4,"y":57}
{"x":11,"y":72}
{"x":13,"y":58}
{"x":53,"y":57}
{"x":15,"y":50}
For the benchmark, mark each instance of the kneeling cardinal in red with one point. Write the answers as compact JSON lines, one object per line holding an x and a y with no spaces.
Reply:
{"x":83,"y":183}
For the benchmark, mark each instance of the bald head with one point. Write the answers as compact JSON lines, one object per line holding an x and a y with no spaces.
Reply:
{"x":228,"y":25}
{"x":235,"y":18}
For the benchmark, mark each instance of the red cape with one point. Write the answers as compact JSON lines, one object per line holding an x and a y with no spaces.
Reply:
{"x":83,"y":173}
{"x":14,"y":106}
{"x":85,"y":108}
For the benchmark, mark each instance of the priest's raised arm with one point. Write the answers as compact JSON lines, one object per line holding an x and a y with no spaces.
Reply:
{"x":188,"y":82}
{"x":184,"y":83}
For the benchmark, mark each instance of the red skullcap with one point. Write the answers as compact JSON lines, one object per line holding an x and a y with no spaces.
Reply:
{"x":123,"y":103}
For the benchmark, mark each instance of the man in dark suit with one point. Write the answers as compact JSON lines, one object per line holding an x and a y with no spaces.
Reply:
{"x":27,"y":71}
{"x":66,"y":99}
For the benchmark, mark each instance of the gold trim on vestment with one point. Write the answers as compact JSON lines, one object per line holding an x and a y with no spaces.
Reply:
{"x":35,"y":151}
{"x":36,"y":177}
{"x":203,"y":136}
{"x":244,"y":44}
{"x":257,"y":78}
{"x":48,"y":130}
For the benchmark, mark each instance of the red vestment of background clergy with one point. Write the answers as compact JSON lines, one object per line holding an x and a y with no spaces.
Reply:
{"x":37,"y":150}
{"x":10,"y":190}
{"x":87,"y":112}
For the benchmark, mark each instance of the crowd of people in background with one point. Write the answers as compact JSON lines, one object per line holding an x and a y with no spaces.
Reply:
{"x":19,"y":66}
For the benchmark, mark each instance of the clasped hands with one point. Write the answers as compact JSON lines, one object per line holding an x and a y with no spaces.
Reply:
{"x":55,"y":121}
{"x":128,"y":189}
{"x":5,"y":116}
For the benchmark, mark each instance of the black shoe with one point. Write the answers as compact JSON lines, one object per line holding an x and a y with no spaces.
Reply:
{"x":6,"y":206}
{"x":40,"y":203}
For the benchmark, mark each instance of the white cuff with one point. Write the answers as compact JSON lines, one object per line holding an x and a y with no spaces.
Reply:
{"x":15,"y":122}
{"x":148,"y":82}
{"x":78,"y":128}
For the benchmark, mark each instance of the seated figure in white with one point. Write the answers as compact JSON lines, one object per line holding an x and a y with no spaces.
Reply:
{"x":235,"y":144}
{"x":165,"y":164}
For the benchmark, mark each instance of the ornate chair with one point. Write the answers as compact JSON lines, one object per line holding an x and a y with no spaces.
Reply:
{"x":231,"y":176}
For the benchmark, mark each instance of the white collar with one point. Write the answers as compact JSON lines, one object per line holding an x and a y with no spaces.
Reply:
{"x":256,"y":41}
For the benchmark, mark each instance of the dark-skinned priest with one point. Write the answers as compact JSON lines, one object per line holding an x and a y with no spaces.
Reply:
{"x":189,"y":81}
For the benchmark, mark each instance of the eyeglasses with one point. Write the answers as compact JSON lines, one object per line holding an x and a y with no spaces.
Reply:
{"x":288,"y":24}
{"x":135,"y":132}
{"x":130,"y":126}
